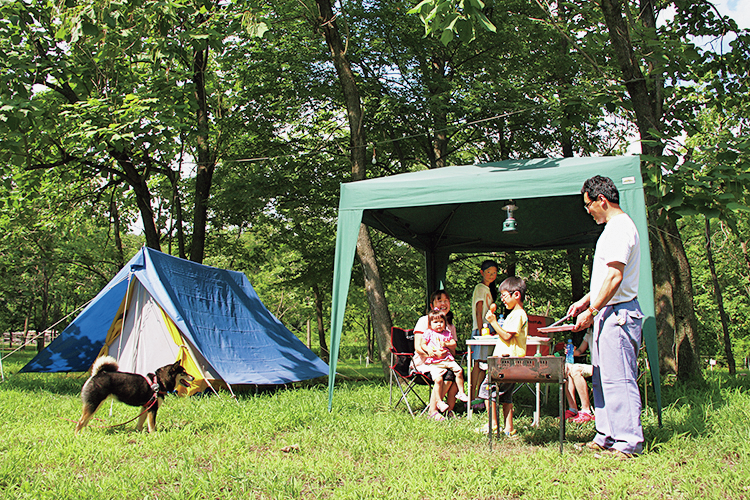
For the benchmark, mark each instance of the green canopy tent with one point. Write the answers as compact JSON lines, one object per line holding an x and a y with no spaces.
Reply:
{"x":459,"y":209}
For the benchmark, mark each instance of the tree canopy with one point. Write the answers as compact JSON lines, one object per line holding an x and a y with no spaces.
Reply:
{"x":220,"y":132}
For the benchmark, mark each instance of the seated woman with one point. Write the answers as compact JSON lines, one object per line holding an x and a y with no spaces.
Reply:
{"x":446,"y":389}
{"x":576,"y":374}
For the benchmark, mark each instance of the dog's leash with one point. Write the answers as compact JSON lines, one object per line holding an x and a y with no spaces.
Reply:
{"x":146,"y":408}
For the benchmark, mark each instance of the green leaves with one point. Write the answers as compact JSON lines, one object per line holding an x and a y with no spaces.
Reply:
{"x":715,"y":182}
{"x":453,"y":19}
{"x":254,"y":26}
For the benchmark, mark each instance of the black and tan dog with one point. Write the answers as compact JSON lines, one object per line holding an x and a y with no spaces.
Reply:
{"x":130,"y":388}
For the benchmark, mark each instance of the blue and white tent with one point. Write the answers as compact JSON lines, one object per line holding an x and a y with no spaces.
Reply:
{"x":160,"y":308}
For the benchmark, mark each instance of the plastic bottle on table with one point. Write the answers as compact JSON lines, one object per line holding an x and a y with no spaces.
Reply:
{"x":485,"y":329}
{"x":569,"y":348}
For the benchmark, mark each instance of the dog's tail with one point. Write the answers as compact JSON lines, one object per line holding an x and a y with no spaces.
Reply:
{"x":105,"y":364}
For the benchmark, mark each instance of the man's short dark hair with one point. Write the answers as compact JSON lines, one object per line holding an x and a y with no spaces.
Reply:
{"x":514,"y":284}
{"x":599,"y":185}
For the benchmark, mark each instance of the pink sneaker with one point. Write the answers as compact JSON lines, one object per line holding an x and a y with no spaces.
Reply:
{"x":442,"y":406}
{"x":583,"y":417}
{"x":463,"y":397}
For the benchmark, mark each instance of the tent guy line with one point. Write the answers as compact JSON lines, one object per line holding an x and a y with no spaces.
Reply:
{"x":457,"y":126}
{"x":39,"y":334}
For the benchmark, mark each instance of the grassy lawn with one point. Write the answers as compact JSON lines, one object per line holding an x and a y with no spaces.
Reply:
{"x":285,"y":444}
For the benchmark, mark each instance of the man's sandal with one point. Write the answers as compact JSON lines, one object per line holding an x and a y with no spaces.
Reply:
{"x":593,"y":445}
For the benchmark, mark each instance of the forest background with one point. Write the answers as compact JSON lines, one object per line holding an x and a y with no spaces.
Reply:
{"x":220,"y":131}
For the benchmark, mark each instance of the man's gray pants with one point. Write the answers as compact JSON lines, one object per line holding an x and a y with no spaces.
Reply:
{"x":614,"y":356}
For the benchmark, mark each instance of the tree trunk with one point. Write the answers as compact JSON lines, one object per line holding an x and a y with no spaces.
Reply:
{"x":25,"y":333}
{"x":675,"y":315}
{"x":575,"y":264}
{"x":745,"y":254}
{"x":719,"y":301}
{"x":438,"y":87}
{"x":572,"y":255}
{"x":206,"y":160}
{"x":178,"y":218}
{"x":644,"y":102}
{"x":504,"y":138}
{"x":746,"y":258}
{"x":675,"y":311}
{"x":44,"y":313}
{"x":138,"y":182}
{"x":117,"y":230}
{"x":381,"y":318}
{"x":511,"y":263}
{"x":368,"y":334}
{"x":324,"y":353}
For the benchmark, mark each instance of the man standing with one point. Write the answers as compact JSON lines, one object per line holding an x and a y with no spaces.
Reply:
{"x":612,"y":307}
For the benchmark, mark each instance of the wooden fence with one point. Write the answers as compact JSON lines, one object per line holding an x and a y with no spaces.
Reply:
{"x":14,"y":340}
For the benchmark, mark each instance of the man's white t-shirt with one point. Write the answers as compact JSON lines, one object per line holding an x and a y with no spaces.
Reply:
{"x":619,"y":242}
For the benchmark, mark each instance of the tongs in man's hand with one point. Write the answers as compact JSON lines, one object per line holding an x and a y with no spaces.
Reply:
{"x":559,"y":321}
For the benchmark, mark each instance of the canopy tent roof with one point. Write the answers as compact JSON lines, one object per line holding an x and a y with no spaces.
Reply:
{"x":459,"y":209}
{"x":469,"y":223}
{"x":217,"y":311}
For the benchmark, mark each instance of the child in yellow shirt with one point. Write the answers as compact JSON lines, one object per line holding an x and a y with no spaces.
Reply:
{"x":511,"y":342}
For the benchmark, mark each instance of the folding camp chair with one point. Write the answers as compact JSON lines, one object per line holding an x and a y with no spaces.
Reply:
{"x":403,"y":370}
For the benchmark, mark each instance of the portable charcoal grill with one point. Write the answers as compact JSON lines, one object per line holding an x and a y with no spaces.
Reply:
{"x":530,"y":369}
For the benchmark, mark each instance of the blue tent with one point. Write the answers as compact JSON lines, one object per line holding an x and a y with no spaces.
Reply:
{"x":160,"y":308}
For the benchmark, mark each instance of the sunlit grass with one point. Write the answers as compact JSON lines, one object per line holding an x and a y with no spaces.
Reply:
{"x":285,"y":444}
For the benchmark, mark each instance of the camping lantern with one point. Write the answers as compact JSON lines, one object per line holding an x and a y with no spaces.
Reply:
{"x":509,"y":226}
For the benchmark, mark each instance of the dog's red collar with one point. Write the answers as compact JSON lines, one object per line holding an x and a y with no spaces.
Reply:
{"x":155,"y":386}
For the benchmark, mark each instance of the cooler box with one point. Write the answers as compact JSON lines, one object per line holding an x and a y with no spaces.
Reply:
{"x":536,"y":322}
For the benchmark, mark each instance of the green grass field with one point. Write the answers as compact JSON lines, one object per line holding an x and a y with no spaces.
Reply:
{"x":286,"y":444}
